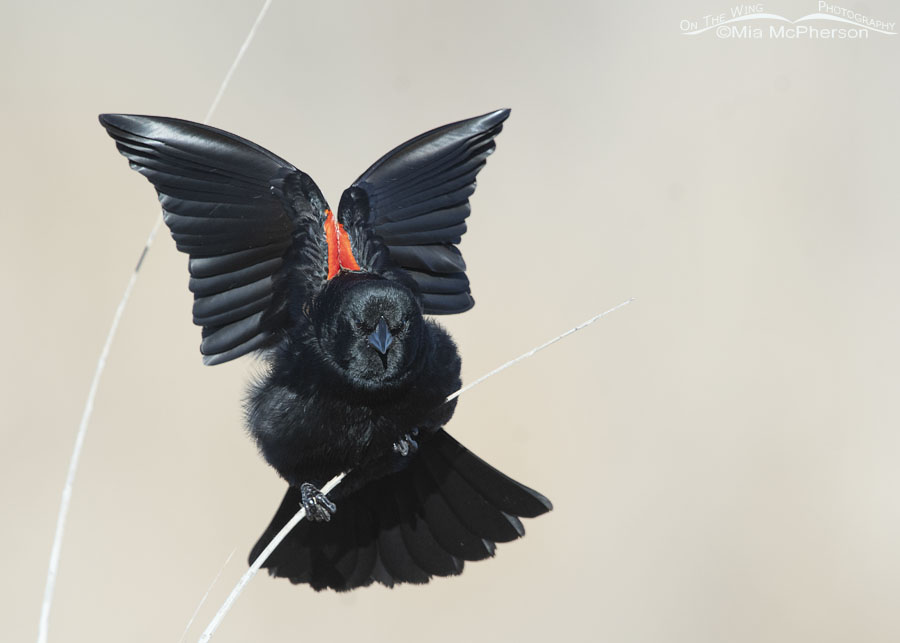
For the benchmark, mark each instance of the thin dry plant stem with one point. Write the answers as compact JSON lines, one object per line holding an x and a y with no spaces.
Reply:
{"x":335,"y":481}
{"x":237,"y":60}
{"x":56,"y":549}
{"x":206,"y":595}
{"x":250,"y":573}
{"x":537,"y":349}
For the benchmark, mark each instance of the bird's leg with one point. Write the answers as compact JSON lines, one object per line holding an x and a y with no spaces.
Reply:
{"x":407,"y":445}
{"x":318,"y":507}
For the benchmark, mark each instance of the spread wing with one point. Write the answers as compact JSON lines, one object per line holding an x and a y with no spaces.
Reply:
{"x":235,"y":208}
{"x":416,"y":199}
{"x":245,"y":216}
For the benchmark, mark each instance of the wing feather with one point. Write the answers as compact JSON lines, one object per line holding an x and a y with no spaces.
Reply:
{"x":234,"y":207}
{"x":415,"y":200}
{"x":434,"y":258}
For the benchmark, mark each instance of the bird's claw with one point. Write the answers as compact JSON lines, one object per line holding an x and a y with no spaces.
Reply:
{"x":407,"y":445}
{"x":318,"y":507}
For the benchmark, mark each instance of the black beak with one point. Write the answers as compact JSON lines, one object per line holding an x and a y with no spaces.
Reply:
{"x":381,"y":339}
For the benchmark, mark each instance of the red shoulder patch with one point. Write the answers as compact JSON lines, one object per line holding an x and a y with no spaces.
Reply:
{"x":340,"y":254}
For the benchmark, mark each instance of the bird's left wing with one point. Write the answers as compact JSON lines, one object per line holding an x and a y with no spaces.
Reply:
{"x":409,"y":209}
{"x":233,"y":207}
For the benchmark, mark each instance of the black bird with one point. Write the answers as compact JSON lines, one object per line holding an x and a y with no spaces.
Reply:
{"x":357,"y":378}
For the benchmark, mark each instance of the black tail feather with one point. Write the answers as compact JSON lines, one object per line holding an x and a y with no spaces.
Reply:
{"x":392,"y":550}
{"x":477,"y":514}
{"x":445,"y":526}
{"x":422,"y":546}
{"x":446,"y":507}
{"x":499,"y":489}
{"x":366,"y":550}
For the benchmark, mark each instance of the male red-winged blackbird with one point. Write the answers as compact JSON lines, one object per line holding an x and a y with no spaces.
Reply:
{"x":357,"y":376}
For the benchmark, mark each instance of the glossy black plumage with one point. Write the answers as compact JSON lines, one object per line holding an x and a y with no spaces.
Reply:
{"x":357,"y":377}
{"x":426,"y":520}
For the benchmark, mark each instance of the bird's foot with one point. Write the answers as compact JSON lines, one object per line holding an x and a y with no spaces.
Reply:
{"x":407,"y":444}
{"x":318,"y":507}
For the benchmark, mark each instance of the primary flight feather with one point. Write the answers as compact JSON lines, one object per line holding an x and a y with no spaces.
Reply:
{"x":357,"y":376}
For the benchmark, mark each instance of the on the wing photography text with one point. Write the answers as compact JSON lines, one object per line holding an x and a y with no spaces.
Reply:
{"x":755,"y":22}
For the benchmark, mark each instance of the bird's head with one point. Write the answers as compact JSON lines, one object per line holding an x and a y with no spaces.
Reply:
{"x":370,"y":328}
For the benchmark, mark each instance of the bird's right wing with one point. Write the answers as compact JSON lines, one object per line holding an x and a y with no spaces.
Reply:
{"x":235,"y":208}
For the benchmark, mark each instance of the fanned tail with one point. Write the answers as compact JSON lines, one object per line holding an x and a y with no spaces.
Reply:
{"x":447,"y":507}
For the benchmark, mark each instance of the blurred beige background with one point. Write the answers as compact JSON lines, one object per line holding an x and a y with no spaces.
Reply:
{"x":722,"y":454}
